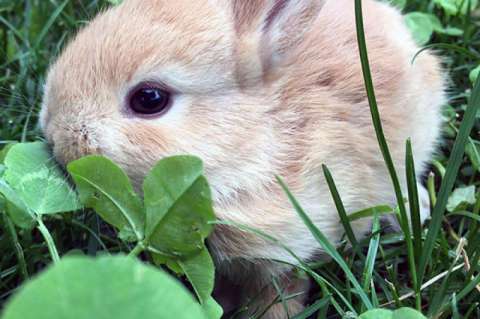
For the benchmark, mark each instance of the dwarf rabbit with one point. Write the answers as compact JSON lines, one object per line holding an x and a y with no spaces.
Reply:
{"x":256,"y":88}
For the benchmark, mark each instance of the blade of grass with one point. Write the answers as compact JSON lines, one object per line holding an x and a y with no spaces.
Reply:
{"x":447,"y":46}
{"x":17,"y":33}
{"x":448,"y":181}
{"x":340,"y":209}
{"x":439,"y":167}
{"x":281,"y":295}
{"x":40,"y":37}
{"x":370,"y":212}
{"x":476,"y":218}
{"x":455,"y":314}
{"x":10,"y":229}
{"x":313,"y":308}
{"x":465,"y":291}
{"x":431,"y":189}
{"x":26,"y":125}
{"x":301,"y":264}
{"x":375,"y":301}
{"x":372,"y":254}
{"x":413,"y":201}
{"x":473,"y":307}
{"x":475,"y":226}
{"x":261,"y":313}
{"x":327,"y":246}
{"x":382,"y":140}
{"x":441,"y":292}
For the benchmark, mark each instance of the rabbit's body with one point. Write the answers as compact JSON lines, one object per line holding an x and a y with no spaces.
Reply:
{"x":262,"y":88}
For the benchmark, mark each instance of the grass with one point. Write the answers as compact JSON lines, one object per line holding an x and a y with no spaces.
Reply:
{"x":434,"y":269}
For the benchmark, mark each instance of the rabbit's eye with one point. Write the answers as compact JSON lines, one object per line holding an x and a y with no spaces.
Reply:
{"x":148,"y":100}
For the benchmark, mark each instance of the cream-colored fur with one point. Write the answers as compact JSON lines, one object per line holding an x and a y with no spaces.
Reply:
{"x":264,"y":87}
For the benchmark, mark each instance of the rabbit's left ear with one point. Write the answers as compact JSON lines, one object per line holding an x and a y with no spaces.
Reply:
{"x":273,"y":28}
{"x":285,"y":26}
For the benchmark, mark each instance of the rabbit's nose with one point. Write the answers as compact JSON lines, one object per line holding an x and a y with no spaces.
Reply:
{"x":72,"y":141}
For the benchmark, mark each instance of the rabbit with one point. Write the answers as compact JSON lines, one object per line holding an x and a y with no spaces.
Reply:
{"x":257,"y":89}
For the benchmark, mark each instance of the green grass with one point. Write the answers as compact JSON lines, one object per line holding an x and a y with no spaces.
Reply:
{"x":438,"y":274}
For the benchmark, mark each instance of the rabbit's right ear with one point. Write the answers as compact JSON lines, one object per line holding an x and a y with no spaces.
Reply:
{"x":270,"y":30}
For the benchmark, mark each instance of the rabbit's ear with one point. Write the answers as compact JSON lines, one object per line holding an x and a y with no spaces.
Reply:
{"x":274,"y":28}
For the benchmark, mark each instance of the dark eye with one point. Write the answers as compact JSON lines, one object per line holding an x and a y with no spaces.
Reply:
{"x":148,"y":100}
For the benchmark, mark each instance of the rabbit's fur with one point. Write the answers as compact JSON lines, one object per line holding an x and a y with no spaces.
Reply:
{"x":263,"y":88}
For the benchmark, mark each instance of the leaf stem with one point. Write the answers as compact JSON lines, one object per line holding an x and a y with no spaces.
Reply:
{"x":139,"y":248}
{"x":49,"y":240}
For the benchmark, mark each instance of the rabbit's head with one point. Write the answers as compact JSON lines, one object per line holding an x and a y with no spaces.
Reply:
{"x":154,"y":78}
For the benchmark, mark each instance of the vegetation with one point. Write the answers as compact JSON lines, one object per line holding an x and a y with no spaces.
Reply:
{"x":434,"y":269}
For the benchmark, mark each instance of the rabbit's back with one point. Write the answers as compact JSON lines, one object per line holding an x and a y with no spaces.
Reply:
{"x":325,"y":100}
